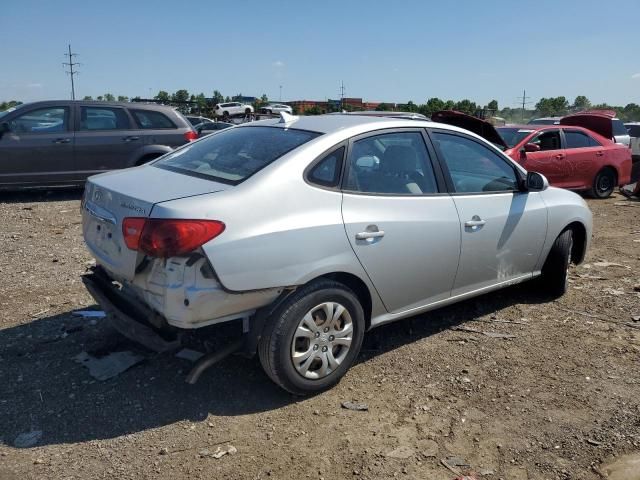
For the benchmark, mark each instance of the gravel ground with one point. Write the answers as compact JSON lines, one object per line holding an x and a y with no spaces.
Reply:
{"x":558,"y":400}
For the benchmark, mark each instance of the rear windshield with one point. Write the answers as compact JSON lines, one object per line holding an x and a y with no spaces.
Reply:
{"x":618,"y":128}
{"x":634,"y":130}
{"x":235,"y":154}
{"x":513,"y":136}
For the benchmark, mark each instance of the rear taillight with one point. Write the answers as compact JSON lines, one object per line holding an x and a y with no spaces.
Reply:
{"x":190,"y":136}
{"x":164,"y":238}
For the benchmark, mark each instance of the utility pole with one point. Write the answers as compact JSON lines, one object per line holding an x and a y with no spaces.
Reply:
{"x":341,"y":95}
{"x":524,"y":99}
{"x":71,"y":72}
{"x":280,"y":97}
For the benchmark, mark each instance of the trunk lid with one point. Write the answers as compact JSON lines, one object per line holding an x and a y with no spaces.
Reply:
{"x":113,"y":196}
{"x":599,"y":121}
{"x":476,"y":125}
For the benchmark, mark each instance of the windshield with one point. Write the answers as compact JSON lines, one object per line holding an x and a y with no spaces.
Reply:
{"x":234,"y":154}
{"x":513,"y":136}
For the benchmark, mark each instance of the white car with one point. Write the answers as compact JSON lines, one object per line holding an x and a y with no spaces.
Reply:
{"x":634,"y":132}
{"x":230,"y":109}
{"x":277,"y":108}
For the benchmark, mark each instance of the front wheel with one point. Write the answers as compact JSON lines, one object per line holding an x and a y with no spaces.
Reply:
{"x":313,"y":338}
{"x":555,"y":271}
{"x":604,"y":183}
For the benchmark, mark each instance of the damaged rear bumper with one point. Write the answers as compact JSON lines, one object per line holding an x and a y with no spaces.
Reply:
{"x":129,"y":319}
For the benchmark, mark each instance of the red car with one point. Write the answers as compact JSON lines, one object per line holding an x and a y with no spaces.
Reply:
{"x":570,"y":156}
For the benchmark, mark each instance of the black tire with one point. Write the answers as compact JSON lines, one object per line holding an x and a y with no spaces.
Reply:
{"x":555,"y":271}
{"x":247,"y":111}
{"x":604,"y":183}
{"x":275,"y":345}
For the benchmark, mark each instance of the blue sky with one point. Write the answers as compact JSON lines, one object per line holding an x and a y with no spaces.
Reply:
{"x":382,"y":50}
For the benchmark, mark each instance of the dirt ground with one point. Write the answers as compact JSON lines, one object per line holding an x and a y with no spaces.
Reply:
{"x":558,"y":400}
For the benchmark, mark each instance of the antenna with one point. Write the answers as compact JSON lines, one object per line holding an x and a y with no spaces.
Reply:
{"x":523,"y":99}
{"x":341,"y":95}
{"x":71,"y":72}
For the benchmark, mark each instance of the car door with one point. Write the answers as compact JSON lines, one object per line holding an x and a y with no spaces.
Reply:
{"x":502,"y":229}
{"x":549,"y":160}
{"x":105,"y":139}
{"x":403,"y":230}
{"x":38,"y":148}
{"x":585,"y":157}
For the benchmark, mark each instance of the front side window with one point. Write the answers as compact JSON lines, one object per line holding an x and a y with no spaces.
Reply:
{"x":577,"y":139}
{"x":102,"y":118}
{"x":473,"y":167}
{"x":393,"y":163}
{"x":235,"y":154}
{"x":149,"y":119}
{"x":547,"y":140}
{"x":43,"y":120}
{"x":618,"y":127}
{"x":513,"y":136}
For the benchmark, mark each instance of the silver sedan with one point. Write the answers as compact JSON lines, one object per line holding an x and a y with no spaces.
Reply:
{"x":309,"y":231}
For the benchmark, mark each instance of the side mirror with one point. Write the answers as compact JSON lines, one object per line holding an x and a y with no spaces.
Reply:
{"x":536,"y":182}
{"x":4,"y":128}
{"x":531,"y":147}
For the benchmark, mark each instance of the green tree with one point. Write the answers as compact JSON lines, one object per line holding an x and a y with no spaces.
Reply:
{"x":201,"y":100}
{"x":217,"y":97}
{"x":180,"y":96}
{"x":554,"y":106}
{"x":108,"y":97}
{"x":227,"y":98}
{"x":163,"y":96}
{"x":383,"y":107}
{"x":264,"y":99}
{"x":315,"y":110}
{"x":581,"y":103}
{"x":100,"y":98}
{"x":493,"y":106}
{"x":122,"y":98}
{"x":409,"y":107}
{"x":433,"y":105}
{"x":87,"y":98}
{"x":9,"y":104}
{"x":466,"y":106}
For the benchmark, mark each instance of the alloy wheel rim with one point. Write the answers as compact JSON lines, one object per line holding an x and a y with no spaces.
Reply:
{"x":322,"y":340}
{"x":604,"y":183}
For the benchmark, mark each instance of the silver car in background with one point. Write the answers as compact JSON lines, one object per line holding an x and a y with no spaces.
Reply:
{"x":309,"y":231}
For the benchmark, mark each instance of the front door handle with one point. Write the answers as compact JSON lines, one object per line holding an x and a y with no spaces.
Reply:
{"x":599,"y":154}
{"x":560,"y":156}
{"x":370,"y":234}
{"x":475,"y":221}
{"x":130,"y":139}
{"x":62,"y":140}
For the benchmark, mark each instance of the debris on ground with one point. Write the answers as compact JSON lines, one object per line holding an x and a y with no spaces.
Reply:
{"x":455,"y":465}
{"x":188,"y":354}
{"x":28,"y":439}
{"x":482,"y":332}
{"x":89,"y":313}
{"x":613,"y":291}
{"x":110,"y":365}
{"x":402,"y":452}
{"x":359,"y":407}
{"x":605,"y":264}
{"x":593,"y":442}
{"x":219,"y":452}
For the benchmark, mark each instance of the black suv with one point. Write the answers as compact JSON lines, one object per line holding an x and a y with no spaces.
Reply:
{"x":61,"y":143}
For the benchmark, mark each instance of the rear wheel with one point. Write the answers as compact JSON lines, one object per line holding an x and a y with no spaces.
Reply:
{"x":604,"y":183}
{"x":247,"y":111}
{"x":555,"y":271}
{"x":313,"y":338}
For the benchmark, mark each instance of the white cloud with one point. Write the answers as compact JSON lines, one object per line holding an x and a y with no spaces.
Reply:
{"x":278,"y":64}
{"x":636,"y":75}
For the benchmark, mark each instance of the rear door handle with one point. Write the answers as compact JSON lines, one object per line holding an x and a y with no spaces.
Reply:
{"x":560,"y":156}
{"x":476,"y":221}
{"x":62,"y":140}
{"x":599,"y":154}
{"x":130,"y":139}
{"x":367,"y":235}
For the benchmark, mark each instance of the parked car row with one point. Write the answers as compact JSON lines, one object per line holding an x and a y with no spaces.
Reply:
{"x":579,"y":153}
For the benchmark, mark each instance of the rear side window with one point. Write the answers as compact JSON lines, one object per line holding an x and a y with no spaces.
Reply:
{"x":327,"y":171}
{"x":149,"y":119}
{"x":473,"y":167}
{"x":101,"y":118}
{"x":233,"y":155}
{"x":634,"y":130}
{"x":577,"y":139}
{"x":618,"y":128}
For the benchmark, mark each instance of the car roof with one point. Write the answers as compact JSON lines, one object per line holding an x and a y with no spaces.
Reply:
{"x":329,"y":123}
{"x":97,"y":103}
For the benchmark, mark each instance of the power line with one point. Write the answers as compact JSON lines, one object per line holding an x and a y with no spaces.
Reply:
{"x":523,"y":99}
{"x":71,"y":72}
